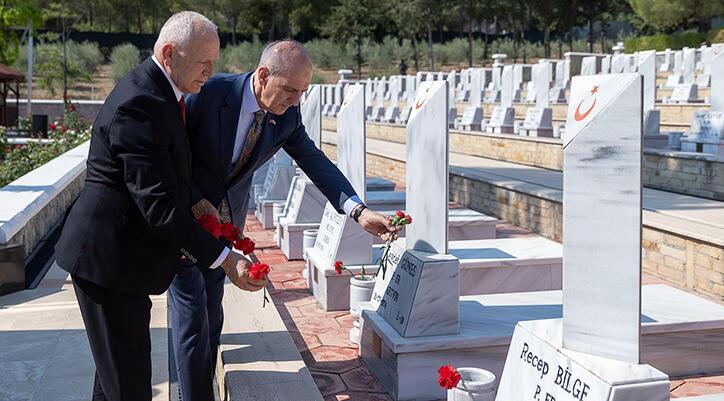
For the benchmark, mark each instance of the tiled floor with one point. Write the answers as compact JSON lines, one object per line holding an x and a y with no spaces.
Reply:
{"x":321,"y":337}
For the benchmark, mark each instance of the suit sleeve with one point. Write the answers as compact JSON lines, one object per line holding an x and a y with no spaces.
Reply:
{"x":323,"y":173}
{"x":151,"y":180}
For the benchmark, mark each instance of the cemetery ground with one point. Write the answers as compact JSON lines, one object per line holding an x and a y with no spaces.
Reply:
{"x":45,"y":352}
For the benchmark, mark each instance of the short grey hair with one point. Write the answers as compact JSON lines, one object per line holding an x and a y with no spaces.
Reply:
{"x":181,"y":28}
{"x":282,"y":56}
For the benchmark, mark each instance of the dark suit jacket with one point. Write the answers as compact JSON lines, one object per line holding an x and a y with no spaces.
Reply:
{"x":132,"y":221}
{"x":213,"y":115}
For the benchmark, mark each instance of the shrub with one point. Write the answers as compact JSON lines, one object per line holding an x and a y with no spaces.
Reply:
{"x":328,"y":54}
{"x":86,"y":56}
{"x":123,"y":59}
{"x":240,"y":58}
{"x":65,"y":134}
{"x":673,"y":41}
{"x":49,"y":67}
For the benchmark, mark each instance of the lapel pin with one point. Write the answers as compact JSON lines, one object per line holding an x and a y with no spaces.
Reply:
{"x":272,"y":122}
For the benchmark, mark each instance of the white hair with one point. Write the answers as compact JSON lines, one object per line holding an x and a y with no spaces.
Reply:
{"x":282,"y":56}
{"x":182,"y":28}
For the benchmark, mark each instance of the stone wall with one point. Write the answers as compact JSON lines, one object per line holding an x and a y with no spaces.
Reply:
{"x":698,"y":175}
{"x":684,"y":262}
{"x":691,"y":174}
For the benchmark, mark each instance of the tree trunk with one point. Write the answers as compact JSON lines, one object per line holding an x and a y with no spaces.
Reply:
{"x":470,"y":40}
{"x":234,"y":20}
{"x":547,"y":41}
{"x":273,"y":24}
{"x":429,"y":49}
{"x":359,"y":58}
{"x":414,"y":53}
{"x":590,"y":34}
{"x":138,"y":17}
{"x":485,"y":44}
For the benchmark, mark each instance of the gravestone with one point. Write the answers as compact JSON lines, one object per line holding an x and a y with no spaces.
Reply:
{"x":275,"y":189}
{"x":593,"y":353}
{"x":452,"y":110}
{"x":606,"y":64}
{"x":312,"y":115}
{"x":617,"y":63}
{"x":495,"y":86}
{"x":472,"y":118}
{"x":706,"y":133}
{"x":502,"y":119}
{"x":684,"y":93}
{"x":716,"y":97}
{"x":539,"y":119}
{"x":647,"y":69}
{"x":666,"y":64}
{"x":588,"y":65}
{"x":392,"y":112}
{"x":517,"y":80}
{"x":707,"y":56}
{"x":418,"y":295}
{"x":689,"y":65}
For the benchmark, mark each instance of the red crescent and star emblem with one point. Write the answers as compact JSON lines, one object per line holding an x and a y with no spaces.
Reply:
{"x":422,"y":100}
{"x":578,"y":116}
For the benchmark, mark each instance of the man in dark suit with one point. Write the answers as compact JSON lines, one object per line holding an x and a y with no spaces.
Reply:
{"x":132,"y":222}
{"x":236,"y":123}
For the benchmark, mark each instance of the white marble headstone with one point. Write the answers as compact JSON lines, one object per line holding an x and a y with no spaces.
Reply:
{"x":517,"y":76}
{"x":338,"y":94}
{"x":542,"y":73}
{"x":451,"y":87}
{"x":311,"y":110}
{"x":647,"y":68}
{"x":495,"y":80}
{"x":506,"y":94}
{"x":708,"y":125}
{"x":476,"y":85}
{"x":606,"y":65}
{"x":666,"y":64}
{"x":394,"y":91}
{"x":411,"y":88}
{"x":351,"y":139}
{"x":689,"y":65}
{"x":559,"y":73}
{"x":716,"y":97}
{"x":602,"y":147}
{"x":588,"y":65}
{"x":427,"y":168}
{"x":678,"y":62}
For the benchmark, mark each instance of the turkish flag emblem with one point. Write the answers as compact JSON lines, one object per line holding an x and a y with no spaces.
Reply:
{"x":578,"y":115}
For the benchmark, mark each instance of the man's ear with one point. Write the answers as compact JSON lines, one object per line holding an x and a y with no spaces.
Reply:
{"x":167,"y":55}
{"x":263,"y":74}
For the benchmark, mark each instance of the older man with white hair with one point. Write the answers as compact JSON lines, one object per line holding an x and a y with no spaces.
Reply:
{"x":236,"y":123}
{"x":132,"y":223}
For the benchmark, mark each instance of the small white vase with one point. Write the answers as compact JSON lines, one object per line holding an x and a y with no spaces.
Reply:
{"x":475,"y":385}
{"x":360,"y":291}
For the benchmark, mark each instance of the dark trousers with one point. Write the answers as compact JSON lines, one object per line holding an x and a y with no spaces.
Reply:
{"x":118,"y":332}
{"x":196,"y":320}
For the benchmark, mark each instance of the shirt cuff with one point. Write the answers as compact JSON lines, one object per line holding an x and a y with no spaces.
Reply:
{"x":350,"y":204}
{"x":220,"y":259}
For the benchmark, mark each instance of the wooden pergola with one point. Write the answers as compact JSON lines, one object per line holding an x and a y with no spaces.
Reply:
{"x":9,"y":84}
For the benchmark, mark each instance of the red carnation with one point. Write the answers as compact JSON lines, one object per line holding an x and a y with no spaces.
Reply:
{"x":258,"y":271}
{"x":210,"y":224}
{"x":229,"y":232}
{"x":408,"y":219}
{"x":339,"y":266}
{"x":52,"y":126}
{"x":449,"y":377}
{"x":400,"y":214}
{"x":245,"y":245}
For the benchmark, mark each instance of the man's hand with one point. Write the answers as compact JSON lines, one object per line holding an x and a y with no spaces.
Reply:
{"x":204,"y":207}
{"x":236,"y":268}
{"x":378,"y":224}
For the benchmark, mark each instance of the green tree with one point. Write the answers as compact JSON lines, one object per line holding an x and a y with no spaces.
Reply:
{"x":667,"y":14}
{"x":14,"y":13}
{"x":353,"y":21}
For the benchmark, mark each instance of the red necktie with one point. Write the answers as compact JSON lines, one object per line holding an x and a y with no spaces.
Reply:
{"x":182,"y":107}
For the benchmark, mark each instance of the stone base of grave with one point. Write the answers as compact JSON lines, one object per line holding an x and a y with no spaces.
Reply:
{"x":265,"y":212}
{"x":711,"y":146}
{"x":656,"y":141}
{"x":375,"y":184}
{"x":329,"y":288}
{"x":503,"y":129}
{"x":385,"y":200}
{"x":291,"y":238}
{"x":463,"y":224}
{"x":562,"y":373}
{"x":682,"y":335}
{"x":502,"y":121}
{"x":486,"y":267}
{"x":536,"y":132}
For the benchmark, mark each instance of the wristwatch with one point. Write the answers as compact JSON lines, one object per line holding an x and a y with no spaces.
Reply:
{"x":357,"y":211}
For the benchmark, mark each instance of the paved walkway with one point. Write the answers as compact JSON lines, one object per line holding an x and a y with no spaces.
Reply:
{"x":44,"y":350}
{"x":687,"y":215}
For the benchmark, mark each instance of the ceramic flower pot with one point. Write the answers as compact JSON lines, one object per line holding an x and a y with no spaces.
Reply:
{"x":475,"y":385}
{"x":360,"y":291}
